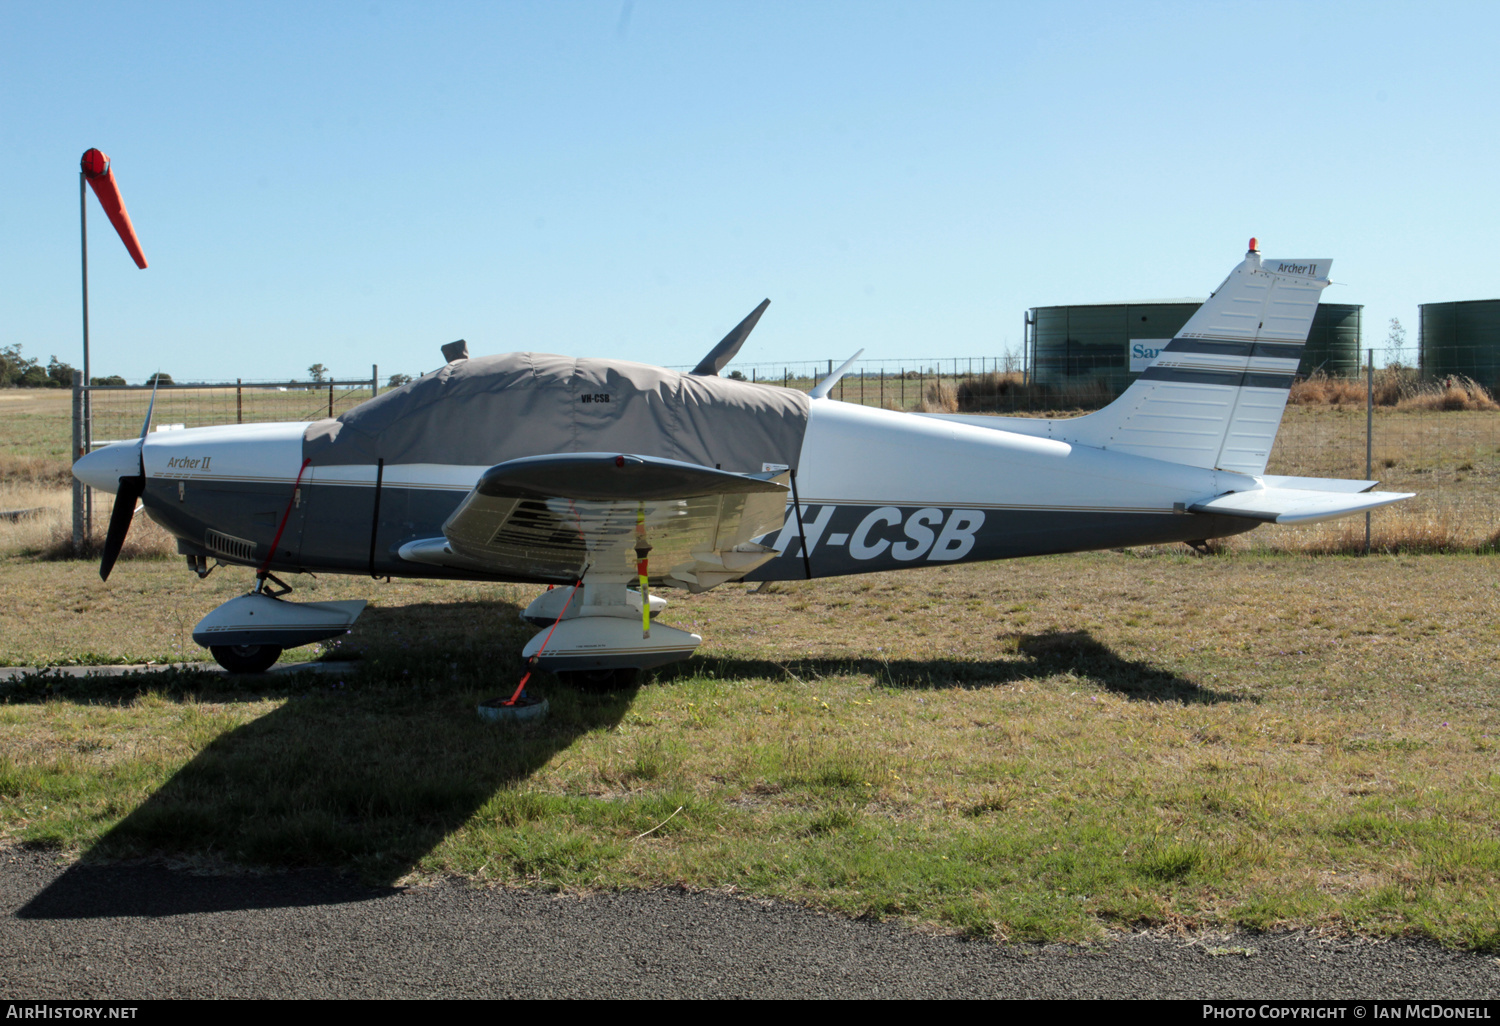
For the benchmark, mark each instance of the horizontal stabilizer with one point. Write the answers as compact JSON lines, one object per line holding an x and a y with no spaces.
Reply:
{"x":1296,"y":505}
{"x":1318,"y":484}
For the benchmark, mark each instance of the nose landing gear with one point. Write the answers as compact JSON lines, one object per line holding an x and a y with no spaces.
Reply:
{"x":246,"y":658}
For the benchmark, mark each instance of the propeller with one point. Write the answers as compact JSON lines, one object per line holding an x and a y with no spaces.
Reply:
{"x":131,"y":489}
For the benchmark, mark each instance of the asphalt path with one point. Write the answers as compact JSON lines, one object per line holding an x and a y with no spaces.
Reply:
{"x":123,"y":932}
{"x":121,"y":669}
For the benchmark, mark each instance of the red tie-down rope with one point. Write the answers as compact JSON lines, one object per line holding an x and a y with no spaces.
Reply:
{"x":619,"y":461}
{"x":266,"y":566}
{"x":522,"y":686}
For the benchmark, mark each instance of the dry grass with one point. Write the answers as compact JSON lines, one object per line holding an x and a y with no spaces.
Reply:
{"x":1399,"y":387}
{"x":990,"y":391}
{"x":1028,"y":750}
{"x":1454,"y":393}
{"x":47,"y":532}
{"x":1393,"y":531}
{"x":1449,"y":457}
{"x":1450,"y":460}
{"x":1034,"y":749}
{"x":34,"y":471}
{"x":940,"y":397}
{"x":32,"y":532}
{"x":1320,"y":389}
{"x":1006,"y":393}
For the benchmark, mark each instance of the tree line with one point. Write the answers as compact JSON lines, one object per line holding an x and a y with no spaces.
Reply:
{"x":20,"y":371}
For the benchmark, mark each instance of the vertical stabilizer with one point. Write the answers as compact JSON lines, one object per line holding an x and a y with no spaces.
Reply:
{"x":1215,"y":396}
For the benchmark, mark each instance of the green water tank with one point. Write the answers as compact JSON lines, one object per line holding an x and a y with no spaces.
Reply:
{"x":1461,"y":339}
{"x":1104,"y":347}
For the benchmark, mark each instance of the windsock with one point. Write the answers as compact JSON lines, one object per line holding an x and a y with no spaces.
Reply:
{"x":102,"y":180}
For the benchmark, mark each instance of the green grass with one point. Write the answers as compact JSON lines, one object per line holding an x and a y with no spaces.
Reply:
{"x":1318,"y":753}
{"x":1033,"y":750}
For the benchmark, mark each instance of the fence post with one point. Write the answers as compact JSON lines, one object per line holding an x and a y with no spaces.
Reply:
{"x":374,"y":380}
{"x":1369,"y":431}
{"x":239,"y":400}
{"x":77,"y":454}
{"x":330,"y":400}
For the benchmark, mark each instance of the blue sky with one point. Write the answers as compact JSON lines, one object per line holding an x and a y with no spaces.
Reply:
{"x":359,"y":183}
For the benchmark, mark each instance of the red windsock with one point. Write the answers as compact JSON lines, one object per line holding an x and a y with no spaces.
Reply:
{"x":102,"y":180}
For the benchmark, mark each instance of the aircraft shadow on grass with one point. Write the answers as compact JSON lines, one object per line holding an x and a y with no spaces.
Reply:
{"x":376,"y":772}
{"x":1035,"y":655}
{"x":373,"y":773}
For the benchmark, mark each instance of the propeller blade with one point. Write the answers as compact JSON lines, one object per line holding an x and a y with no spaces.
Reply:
{"x":150,"y":407}
{"x":131,"y":489}
{"x":719,"y":357}
{"x":826,"y":385}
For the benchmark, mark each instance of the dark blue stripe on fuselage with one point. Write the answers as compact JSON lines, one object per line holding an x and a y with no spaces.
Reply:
{"x":329,"y":531}
{"x":857,"y":539}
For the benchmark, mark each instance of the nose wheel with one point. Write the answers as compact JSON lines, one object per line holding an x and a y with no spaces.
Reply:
{"x":246,"y":658}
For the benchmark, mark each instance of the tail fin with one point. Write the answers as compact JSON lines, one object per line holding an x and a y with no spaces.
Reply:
{"x":1215,"y":396}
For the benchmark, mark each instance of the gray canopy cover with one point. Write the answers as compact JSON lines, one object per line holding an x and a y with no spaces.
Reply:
{"x":490,"y":409}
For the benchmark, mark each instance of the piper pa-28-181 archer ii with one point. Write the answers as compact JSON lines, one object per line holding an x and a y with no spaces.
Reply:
{"x":603,"y":474}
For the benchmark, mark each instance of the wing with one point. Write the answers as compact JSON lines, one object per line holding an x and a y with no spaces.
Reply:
{"x":552,"y":517}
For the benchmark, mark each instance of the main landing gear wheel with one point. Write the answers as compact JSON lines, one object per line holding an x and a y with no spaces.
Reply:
{"x":246,"y":658}
{"x":598,"y":680}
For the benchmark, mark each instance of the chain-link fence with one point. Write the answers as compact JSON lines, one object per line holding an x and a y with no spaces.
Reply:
{"x":109,"y":413}
{"x":118,"y":411}
{"x":1438,"y":438}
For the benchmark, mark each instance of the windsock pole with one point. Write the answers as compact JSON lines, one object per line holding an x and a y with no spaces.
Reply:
{"x":94,"y":170}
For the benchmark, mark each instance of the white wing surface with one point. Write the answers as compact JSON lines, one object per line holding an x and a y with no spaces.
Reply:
{"x":555,"y":517}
